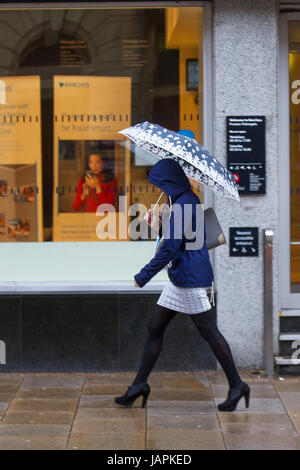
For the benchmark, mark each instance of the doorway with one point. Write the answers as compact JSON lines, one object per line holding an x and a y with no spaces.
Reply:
{"x":289,"y":160}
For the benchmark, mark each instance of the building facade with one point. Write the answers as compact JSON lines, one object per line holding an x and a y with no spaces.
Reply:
{"x":72,"y":76}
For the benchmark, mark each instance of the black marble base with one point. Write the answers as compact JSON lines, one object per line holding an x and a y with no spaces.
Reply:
{"x":102,"y":332}
{"x":286,"y":349}
{"x":289,"y":324}
{"x":288,"y":370}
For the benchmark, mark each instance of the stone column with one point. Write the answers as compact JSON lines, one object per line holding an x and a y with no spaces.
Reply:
{"x":245,"y":56}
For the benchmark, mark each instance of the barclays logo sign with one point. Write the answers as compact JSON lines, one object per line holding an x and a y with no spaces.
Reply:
{"x":74,"y":84}
{"x":2,"y":352}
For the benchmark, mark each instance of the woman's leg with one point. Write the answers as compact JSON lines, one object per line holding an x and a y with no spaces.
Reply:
{"x":157,"y":324}
{"x":207,"y":327}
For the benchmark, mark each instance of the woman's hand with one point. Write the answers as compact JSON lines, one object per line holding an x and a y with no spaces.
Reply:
{"x":152,"y":220}
{"x":85,"y":191}
{"x":136,"y":284}
{"x":92,"y":181}
{"x":148,"y":216}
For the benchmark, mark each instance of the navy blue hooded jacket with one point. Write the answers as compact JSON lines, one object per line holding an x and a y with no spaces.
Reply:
{"x":189,"y":268}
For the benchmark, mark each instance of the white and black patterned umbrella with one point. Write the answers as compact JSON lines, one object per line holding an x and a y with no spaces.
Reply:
{"x":195,"y":160}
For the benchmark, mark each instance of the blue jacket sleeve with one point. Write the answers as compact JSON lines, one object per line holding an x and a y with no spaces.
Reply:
{"x":166,"y":253}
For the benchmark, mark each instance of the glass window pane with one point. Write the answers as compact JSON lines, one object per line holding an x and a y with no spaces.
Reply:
{"x":70,"y":79}
{"x":294,"y":66}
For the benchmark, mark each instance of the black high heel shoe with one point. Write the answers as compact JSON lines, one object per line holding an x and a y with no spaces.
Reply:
{"x":133,"y":393}
{"x":234,"y":396}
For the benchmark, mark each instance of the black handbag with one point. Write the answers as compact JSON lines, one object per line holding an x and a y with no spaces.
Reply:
{"x":214,"y":234}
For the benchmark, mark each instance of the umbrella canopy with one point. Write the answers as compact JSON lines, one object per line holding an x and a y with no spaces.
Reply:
{"x":195,"y":160}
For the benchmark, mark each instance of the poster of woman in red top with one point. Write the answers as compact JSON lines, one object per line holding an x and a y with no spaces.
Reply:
{"x":96,"y":186}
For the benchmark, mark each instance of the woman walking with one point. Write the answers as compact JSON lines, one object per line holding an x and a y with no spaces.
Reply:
{"x":190,"y":273}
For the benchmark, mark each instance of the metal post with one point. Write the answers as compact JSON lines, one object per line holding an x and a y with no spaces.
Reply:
{"x":268,"y":302}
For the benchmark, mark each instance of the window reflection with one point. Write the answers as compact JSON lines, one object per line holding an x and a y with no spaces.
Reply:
{"x":294,"y":64}
{"x":82,"y":75}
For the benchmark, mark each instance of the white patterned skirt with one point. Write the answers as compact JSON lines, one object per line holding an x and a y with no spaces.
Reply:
{"x":184,"y":299}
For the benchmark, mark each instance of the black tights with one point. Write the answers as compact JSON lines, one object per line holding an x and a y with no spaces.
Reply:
{"x":206,"y":326}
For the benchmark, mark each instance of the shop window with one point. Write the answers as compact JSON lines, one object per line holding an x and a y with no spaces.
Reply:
{"x":294,"y":74}
{"x":70,"y":80}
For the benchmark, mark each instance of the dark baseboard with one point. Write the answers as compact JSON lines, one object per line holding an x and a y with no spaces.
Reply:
{"x":103,"y":332}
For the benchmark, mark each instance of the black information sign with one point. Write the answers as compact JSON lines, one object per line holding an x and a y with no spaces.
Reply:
{"x":243,"y":241}
{"x":246,"y":153}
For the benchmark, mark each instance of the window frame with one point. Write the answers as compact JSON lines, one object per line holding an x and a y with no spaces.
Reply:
{"x":154,"y":286}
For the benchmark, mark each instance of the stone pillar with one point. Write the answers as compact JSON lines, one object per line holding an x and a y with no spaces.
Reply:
{"x":245,"y":56}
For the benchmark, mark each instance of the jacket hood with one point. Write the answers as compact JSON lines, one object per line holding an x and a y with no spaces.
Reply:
{"x":168,"y":176}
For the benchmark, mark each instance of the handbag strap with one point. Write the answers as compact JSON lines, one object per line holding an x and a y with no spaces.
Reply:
{"x":159,"y":239}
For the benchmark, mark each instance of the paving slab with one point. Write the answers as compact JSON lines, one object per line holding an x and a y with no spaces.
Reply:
{"x":258,"y":405}
{"x":296,"y":423}
{"x":202,"y":422}
{"x":9,"y":379}
{"x":32,"y":443}
{"x":6,"y":397}
{"x":218,"y":379}
{"x":180,"y":408}
{"x":8,"y":388}
{"x":77,"y":411}
{"x":26,"y":404}
{"x":106,"y":390}
{"x":187,"y":383}
{"x":49,"y":393}
{"x":260,"y":378}
{"x":98,"y":388}
{"x":254,"y":418}
{"x":179,"y":395}
{"x":107,"y":441}
{"x":113,"y":412}
{"x":176,"y":439}
{"x":38,"y":430}
{"x":37,"y":417}
{"x":109,"y":379}
{"x":3,"y":408}
{"x":260,"y":441}
{"x":291,"y":400}
{"x":108,"y":424}
{"x":293,"y":415}
{"x":290,"y":386}
{"x":258,"y":390}
{"x":62,"y":381}
{"x":262,"y":429}
{"x":90,"y":401}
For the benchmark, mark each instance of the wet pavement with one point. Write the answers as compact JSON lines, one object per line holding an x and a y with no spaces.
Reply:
{"x":77,"y":411}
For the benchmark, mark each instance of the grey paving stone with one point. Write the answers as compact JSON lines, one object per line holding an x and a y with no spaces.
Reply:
{"x":38,"y":430}
{"x":49,"y":393}
{"x":258,"y":405}
{"x":181,"y":408}
{"x":24,"y":404}
{"x":109,"y":424}
{"x":42,"y":381}
{"x":175,"y":439}
{"x":38,"y":417}
{"x":107,"y":441}
{"x":32,"y":443}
